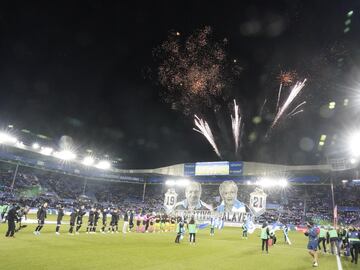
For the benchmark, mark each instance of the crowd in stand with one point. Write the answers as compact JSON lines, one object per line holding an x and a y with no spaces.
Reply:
{"x":292,"y":205}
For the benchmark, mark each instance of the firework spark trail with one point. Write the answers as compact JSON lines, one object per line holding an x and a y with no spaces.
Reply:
{"x":297,"y":107}
{"x":293,"y":94}
{"x":236,"y":125}
{"x":262,"y":107}
{"x":278,"y":99}
{"x":295,"y":113}
{"x":204,"y":129}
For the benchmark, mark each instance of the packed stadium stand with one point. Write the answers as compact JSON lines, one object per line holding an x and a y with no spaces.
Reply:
{"x":291,"y":205}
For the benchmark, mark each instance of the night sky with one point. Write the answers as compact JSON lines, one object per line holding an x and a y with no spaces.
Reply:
{"x":86,"y":69}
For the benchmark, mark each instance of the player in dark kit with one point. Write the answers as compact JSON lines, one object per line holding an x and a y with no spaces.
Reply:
{"x":79,"y":220}
{"x":131,"y":220}
{"x":91,"y":220}
{"x":41,"y":216}
{"x":96,"y":219}
{"x":59,"y":218}
{"x":22,"y":213}
{"x":73,"y":216}
{"x":114,"y":221}
{"x":179,"y":230}
{"x":104,"y":213}
{"x":11,"y":218}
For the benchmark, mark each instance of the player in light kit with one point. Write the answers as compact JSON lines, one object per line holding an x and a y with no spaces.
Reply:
{"x":286,"y":234}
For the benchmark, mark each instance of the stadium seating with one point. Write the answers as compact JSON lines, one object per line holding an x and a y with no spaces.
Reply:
{"x":292,"y":205}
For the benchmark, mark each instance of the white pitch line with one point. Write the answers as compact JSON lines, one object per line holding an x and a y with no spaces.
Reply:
{"x":338,"y":261}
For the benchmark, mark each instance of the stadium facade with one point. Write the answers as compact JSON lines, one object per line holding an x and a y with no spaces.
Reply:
{"x":205,"y":172}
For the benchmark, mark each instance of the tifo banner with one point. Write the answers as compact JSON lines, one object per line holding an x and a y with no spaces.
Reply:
{"x":258,"y":202}
{"x":228,"y":208}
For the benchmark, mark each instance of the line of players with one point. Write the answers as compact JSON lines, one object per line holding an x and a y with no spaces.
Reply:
{"x":132,"y":222}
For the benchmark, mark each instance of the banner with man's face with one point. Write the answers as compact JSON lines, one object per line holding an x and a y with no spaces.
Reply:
{"x":228,"y":208}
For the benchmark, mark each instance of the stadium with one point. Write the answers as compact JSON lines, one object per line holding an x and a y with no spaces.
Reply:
{"x":327,"y":194}
{"x":174,"y":135}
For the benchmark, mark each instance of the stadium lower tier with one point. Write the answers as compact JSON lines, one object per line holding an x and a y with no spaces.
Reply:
{"x":291,"y":205}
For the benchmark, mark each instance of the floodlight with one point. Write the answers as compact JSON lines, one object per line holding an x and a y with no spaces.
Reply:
{"x":265,"y":182}
{"x":20,"y":144}
{"x":353,"y":160}
{"x":103,"y":164}
{"x":354,"y":144}
{"x":271,"y":182}
{"x":170,"y":182}
{"x":182,"y":182}
{"x":89,"y":160}
{"x":46,"y":151}
{"x":7,"y":138}
{"x":65,"y":155}
{"x":35,"y":146}
{"x":283,"y":183}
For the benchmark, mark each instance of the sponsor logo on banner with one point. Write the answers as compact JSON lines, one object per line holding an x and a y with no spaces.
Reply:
{"x":258,"y":202}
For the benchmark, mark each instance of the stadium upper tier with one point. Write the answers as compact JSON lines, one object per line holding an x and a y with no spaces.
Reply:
{"x":203,"y":171}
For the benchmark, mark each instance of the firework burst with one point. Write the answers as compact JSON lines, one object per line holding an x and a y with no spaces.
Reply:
{"x":286,"y":78}
{"x":204,"y":129}
{"x":194,"y":72}
{"x":294,"y":92}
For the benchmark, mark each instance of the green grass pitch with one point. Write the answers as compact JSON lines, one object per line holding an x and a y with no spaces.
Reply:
{"x":225,"y":250}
